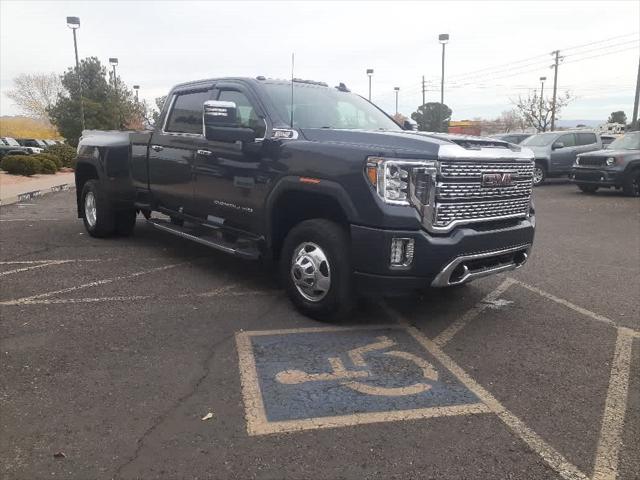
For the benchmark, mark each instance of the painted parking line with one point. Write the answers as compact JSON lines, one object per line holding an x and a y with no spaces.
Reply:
{"x":329,"y":377}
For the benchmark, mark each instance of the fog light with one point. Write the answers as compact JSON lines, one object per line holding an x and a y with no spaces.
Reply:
{"x":401,"y":252}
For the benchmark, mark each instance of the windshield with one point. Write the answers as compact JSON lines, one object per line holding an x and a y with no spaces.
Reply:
{"x":540,"y":139}
{"x":323,"y":107}
{"x":11,"y":142}
{"x":631,"y":141}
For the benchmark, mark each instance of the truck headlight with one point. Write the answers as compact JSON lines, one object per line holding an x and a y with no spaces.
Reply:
{"x":610,"y":161}
{"x":396,"y":180}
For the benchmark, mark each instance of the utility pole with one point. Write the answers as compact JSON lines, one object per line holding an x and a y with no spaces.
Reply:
{"x":542,"y":79}
{"x":634,"y":119}
{"x":424,"y":91}
{"x":555,"y":88}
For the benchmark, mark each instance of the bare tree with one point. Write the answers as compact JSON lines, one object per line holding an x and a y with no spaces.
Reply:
{"x":537,"y":112}
{"x":35,"y":93}
{"x":512,"y":120}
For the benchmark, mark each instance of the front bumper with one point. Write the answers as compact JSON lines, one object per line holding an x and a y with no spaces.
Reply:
{"x":462,"y":256}
{"x":596,"y":176}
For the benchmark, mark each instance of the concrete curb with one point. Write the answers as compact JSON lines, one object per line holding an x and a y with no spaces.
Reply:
{"x":24,"y":197}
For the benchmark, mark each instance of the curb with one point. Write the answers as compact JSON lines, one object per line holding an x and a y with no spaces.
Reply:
{"x":23,"y":197}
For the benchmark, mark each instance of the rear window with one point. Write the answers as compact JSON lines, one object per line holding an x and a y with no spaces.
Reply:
{"x":186,"y":113}
{"x":586,"y":138}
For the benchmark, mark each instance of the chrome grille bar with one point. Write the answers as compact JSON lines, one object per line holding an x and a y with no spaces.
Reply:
{"x":447,"y":214}
{"x":470,"y":169}
{"x":473,"y":190}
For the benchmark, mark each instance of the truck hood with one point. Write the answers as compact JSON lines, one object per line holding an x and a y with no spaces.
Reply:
{"x":539,"y":151}
{"x":421,"y":144}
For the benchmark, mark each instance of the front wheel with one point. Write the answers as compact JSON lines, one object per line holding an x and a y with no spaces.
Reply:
{"x":590,"y":189}
{"x":631,"y":184}
{"x":539,"y":174}
{"x":316,"y":269}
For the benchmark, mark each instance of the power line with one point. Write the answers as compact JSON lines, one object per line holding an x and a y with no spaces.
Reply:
{"x":600,"y":41}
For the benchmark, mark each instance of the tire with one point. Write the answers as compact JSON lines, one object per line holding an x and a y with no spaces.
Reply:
{"x":126,"y":222}
{"x":316,"y":255}
{"x":539,"y":174}
{"x":631,"y":184}
{"x":97,"y":212}
{"x":590,"y":189}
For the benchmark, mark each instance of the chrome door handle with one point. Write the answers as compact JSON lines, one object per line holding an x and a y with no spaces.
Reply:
{"x":206,"y":153}
{"x":157,"y":148}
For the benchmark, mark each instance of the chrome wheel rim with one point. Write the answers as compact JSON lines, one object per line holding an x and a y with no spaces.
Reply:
{"x":310,"y":271}
{"x":90,"y":210}
{"x":538,"y":175}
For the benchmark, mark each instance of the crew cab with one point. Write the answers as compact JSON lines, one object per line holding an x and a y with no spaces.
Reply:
{"x":320,"y":181}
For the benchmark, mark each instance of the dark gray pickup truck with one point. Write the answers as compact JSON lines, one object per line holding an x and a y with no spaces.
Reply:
{"x":319,"y":180}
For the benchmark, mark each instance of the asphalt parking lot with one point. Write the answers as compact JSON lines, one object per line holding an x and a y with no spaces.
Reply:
{"x":115,"y":351}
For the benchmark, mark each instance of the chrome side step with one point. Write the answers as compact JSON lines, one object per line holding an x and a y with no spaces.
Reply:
{"x":248,"y":251}
{"x":466,"y":268}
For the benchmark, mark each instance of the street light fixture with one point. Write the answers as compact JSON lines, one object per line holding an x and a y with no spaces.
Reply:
{"x":74,"y":23}
{"x":542,"y":80}
{"x":397,"y":89}
{"x":443,"y":38}
{"x":370,"y":74}
{"x":136,"y":88}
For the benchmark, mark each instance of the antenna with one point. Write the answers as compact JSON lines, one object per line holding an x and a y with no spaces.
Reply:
{"x":292,"y":65}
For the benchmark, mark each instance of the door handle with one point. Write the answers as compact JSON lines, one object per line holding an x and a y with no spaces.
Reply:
{"x":157,"y":148}
{"x":205,"y":153}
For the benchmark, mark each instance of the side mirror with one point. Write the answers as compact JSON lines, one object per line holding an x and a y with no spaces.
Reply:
{"x":557,"y":145}
{"x":221,"y":123}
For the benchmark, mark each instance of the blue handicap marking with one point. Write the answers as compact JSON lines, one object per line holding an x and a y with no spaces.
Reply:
{"x":315,"y":374}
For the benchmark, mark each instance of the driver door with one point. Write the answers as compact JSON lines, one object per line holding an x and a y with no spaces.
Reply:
{"x":562,"y":158}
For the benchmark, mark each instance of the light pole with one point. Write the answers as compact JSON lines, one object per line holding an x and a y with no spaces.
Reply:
{"x":74,"y":23}
{"x":397,"y":89}
{"x":136,"y":88}
{"x":542,"y":79}
{"x":443,"y":38}
{"x":114,"y":62}
{"x":370,"y":74}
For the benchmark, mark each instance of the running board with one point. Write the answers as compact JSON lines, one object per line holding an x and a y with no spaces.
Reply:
{"x":248,"y":251}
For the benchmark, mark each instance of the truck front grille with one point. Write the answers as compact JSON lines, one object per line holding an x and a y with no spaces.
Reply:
{"x":461,"y":198}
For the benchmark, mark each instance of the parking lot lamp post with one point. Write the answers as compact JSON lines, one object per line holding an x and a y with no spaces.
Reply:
{"x":74,"y":23}
{"x":370,"y":74}
{"x":443,"y":38}
{"x":397,"y":89}
{"x":136,"y":88}
{"x":114,"y":62}
{"x":542,"y":79}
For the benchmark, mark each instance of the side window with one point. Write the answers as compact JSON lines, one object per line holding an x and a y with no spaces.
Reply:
{"x":586,"y":138}
{"x":246,"y":112}
{"x":568,"y":140}
{"x":186,"y":114}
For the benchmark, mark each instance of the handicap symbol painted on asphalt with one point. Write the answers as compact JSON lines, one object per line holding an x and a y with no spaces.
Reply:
{"x":334,"y":376}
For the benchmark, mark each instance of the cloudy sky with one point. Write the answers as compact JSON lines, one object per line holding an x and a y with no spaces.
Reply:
{"x":497,"y":51}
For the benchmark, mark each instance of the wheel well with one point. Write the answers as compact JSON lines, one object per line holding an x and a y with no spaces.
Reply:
{"x":84,"y":173}
{"x":294,"y":207}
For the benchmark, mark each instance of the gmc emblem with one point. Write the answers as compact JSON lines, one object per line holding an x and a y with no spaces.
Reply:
{"x":498,"y":179}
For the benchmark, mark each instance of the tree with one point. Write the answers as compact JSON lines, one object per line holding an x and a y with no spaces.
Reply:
{"x":618,"y":117}
{"x":432,"y":117}
{"x":35,"y":93}
{"x":512,"y":120}
{"x":106,"y":106}
{"x":537,"y":112}
{"x":155,"y":113}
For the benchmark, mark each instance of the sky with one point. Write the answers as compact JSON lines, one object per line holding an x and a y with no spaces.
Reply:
{"x":497,"y":50}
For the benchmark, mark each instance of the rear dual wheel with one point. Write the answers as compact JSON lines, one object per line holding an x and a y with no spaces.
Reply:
{"x":100,"y":218}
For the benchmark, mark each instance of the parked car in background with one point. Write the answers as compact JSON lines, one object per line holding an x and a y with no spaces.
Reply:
{"x":32,"y":144}
{"x":556,"y":152}
{"x":607,"y":138}
{"x":9,"y":146}
{"x":512,"y":137}
{"x":50,"y":142}
{"x":618,"y":166}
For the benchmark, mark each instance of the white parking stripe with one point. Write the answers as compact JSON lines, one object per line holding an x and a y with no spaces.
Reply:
{"x":24,"y":269}
{"x":606,"y":467}
{"x":24,"y":300}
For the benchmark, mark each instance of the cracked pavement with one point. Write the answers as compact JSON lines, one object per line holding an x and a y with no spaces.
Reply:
{"x":118,"y":375}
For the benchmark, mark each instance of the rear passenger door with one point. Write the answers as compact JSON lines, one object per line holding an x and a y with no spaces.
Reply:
{"x":562,"y":158}
{"x":172,"y":150}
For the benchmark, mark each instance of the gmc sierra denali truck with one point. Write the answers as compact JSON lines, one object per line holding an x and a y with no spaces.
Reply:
{"x":319,"y":180}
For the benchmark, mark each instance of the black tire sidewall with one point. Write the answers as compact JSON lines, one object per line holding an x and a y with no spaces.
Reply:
{"x":628,"y":187}
{"x":333,"y":240}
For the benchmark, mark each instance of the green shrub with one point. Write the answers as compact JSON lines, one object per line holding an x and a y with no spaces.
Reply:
{"x":65,"y":153}
{"x":48,"y":166}
{"x":52,"y":158}
{"x":25,"y":165}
